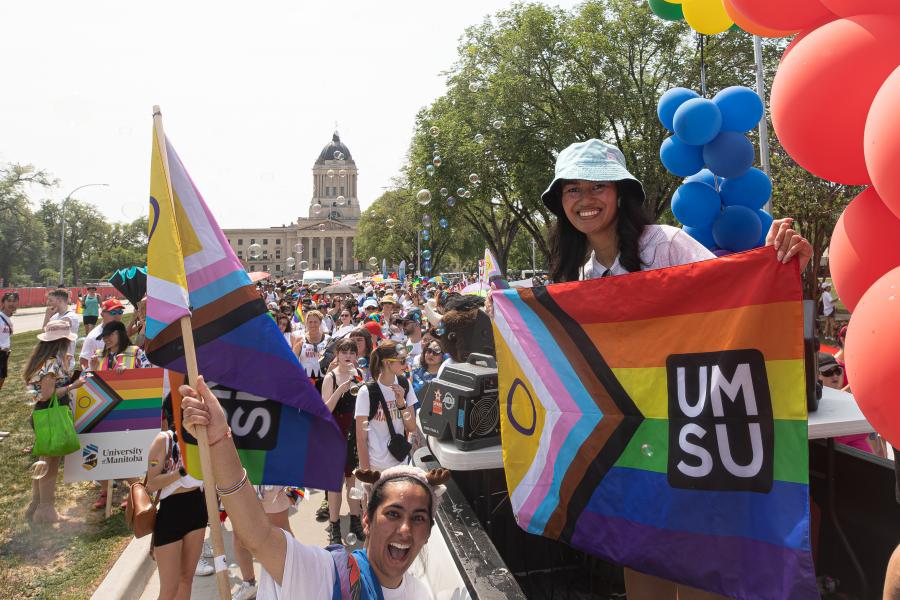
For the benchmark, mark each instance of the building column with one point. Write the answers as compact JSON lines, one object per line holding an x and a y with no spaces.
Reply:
{"x":321,"y":246}
{"x":333,"y":254}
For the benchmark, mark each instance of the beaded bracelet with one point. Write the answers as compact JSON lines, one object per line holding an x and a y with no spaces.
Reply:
{"x":234,"y":488}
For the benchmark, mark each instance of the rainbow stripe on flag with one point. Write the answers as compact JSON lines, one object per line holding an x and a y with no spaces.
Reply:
{"x":126,"y":401}
{"x":658,"y":420}
{"x":298,"y":314}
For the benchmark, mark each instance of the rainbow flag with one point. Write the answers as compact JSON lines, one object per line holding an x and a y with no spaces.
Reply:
{"x":193,"y":270}
{"x":658,"y":420}
{"x":298,"y":314}
{"x":126,"y":401}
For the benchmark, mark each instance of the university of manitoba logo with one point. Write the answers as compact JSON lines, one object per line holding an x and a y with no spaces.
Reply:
{"x":89,"y":456}
{"x":721,"y":429}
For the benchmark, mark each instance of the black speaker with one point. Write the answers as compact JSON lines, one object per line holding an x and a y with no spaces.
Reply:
{"x":463,"y":405}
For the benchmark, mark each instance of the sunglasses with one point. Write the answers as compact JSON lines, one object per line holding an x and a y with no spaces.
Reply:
{"x":832,"y":372}
{"x":117,"y":311}
{"x":393,"y":360}
{"x":435,"y":352}
{"x":345,"y":315}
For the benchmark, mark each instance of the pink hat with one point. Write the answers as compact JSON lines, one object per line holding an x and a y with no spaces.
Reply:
{"x":57,"y":329}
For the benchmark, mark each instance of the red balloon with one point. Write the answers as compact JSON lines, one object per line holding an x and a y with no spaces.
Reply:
{"x":849,"y":8}
{"x":863,"y":247}
{"x":790,"y":15}
{"x":882,"y":143}
{"x":872,"y":352}
{"x":823,"y":89}
{"x":741,"y":20}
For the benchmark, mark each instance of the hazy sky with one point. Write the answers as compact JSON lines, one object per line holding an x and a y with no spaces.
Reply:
{"x":250,"y":92}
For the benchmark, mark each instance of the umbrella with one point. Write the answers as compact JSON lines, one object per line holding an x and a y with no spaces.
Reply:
{"x":132,"y":282}
{"x":479,"y":288}
{"x":338,"y":288}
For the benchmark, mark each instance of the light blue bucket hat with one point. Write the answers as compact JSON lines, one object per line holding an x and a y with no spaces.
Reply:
{"x":592,"y":160}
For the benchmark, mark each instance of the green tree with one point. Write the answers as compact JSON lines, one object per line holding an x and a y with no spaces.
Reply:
{"x":86,"y":233}
{"x":22,"y":234}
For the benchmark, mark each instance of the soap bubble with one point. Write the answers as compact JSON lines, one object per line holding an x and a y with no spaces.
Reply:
{"x":434,"y":131}
{"x":451,"y":201}
{"x":389,"y":223}
{"x":362,"y":362}
{"x":419,"y":170}
{"x":430,"y":170}
{"x":303,"y":265}
{"x":355,"y":493}
{"x":443,"y":223}
{"x":437,"y":161}
{"x":342,"y":173}
{"x":436,"y":151}
{"x":423,"y":197}
{"x":647,"y":450}
{"x":473,"y":177}
{"x":373,"y":261}
{"x":497,"y":124}
{"x":341,"y":200}
{"x":134,"y":210}
{"x":314,"y":288}
{"x":316,"y":208}
{"x":467,"y":194}
{"x":407,"y":415}
{"x":255,"y":250}
{"x":479,"y":138}
{"x":425,"y":235}
{"x":426,"y":254}
{"x":337,"y":155}
{"x":322,"y":227}
{"x":366,"y":426}
{"x":445,"y":192}
{"x":39,"y":469}
{"x":474,"y":86}
{"x":291,"y":261}
{"x":330,"y":173}
{"x":426,"y":267}
{"x":426,"y":220}
{"x":351,"y":538}
{"x":461,"y":191}
{"x":298,"y":248}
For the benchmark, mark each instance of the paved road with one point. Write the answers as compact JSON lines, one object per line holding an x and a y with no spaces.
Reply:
{"x":32,"y":319}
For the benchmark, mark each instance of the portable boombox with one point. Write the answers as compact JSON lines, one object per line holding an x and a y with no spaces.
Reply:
{"x":463,"y":404}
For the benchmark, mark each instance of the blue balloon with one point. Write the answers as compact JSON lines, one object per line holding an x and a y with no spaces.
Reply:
{"x":697,"y":121}
{"x":730,"y":155}
{"x":701,"y":234}
{"x":752,"y":189}
{"x":679,"y":158}
{"x":705,"y":176}
{"x":696,"y":204}
{"x":737,"y":229}
{"x":669,"y":103}
{"x":741,"y":108}
{"x":766,"y":220}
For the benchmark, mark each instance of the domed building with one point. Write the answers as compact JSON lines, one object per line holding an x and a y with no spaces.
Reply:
{"x":324,"y":237}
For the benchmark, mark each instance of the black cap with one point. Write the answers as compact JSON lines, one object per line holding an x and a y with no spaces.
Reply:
{"x":825,"y":360}
{"x":112,"y":326}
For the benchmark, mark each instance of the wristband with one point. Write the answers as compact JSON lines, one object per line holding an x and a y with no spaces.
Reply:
{"x":234,"y":488}
{"x":227,"y":435}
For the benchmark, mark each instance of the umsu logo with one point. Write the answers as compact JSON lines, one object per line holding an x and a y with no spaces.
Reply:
{"x":721,"y":432}
{"x":253,"y":420}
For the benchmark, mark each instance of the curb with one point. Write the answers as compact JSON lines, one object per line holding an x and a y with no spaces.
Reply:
{"x":128,"y":577}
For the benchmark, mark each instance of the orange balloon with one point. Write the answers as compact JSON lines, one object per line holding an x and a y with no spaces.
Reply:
{"x":849,"y":8}
{"x":785,"y":14}
{"x":741,"y":20}
{"x":872,"y":352}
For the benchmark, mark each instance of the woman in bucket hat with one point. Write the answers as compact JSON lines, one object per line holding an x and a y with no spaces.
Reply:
{"x":602,"y":228}
{"x":47,"y":373}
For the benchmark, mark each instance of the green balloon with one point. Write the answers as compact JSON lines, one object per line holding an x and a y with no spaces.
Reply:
{"x":666,"y":10}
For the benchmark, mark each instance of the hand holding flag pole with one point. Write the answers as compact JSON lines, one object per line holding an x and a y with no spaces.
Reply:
{"x":190,"y":357}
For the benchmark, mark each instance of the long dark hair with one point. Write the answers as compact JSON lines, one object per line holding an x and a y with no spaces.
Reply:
{"x":569,"y":248}
{"x":42,"y":352}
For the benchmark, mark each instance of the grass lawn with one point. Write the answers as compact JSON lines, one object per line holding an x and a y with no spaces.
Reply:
{"x":61,"y":561}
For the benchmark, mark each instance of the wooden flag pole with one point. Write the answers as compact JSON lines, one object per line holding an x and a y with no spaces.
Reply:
{"x":190,"y":361}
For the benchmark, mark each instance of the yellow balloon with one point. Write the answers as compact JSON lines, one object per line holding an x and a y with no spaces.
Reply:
{"x":707,"y":16}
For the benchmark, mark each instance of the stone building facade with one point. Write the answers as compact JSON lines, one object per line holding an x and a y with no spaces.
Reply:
{"x":324,"y":237}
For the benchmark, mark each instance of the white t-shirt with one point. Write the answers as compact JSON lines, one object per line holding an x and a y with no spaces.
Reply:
{"x":5,"y":331}
{"x":91,"y":344}
{"x":309,"y":575}
{"x":827,"y":303}
{"x":660,"y":246}
{"x":311,"y":354}
{"x":413,"y":352}
{"x":380,"y":457}
{"x":74,"y":323}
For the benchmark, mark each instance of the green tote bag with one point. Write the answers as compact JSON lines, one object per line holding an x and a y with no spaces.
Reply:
{"x":54,"y":430}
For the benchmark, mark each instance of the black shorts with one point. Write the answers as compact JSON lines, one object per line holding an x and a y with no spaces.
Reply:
{"x":178,"y":515}
{"x":4,"y":363}
{"x":88,"y":320}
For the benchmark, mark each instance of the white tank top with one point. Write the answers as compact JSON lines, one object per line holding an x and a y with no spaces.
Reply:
{"x":172,"y":465}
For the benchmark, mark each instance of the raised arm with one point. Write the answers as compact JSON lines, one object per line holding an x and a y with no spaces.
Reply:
{"x":265,"y":541}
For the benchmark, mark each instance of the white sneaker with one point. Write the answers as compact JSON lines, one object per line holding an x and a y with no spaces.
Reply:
{"x":207,"y":550}
{"x":247,"y":591}
{"x":204,"y":568}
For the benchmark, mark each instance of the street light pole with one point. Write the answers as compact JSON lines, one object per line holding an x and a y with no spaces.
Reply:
{"x":62,"y":230}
